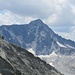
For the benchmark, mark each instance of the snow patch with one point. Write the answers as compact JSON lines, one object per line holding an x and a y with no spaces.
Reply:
{"x":50,"y":59}
{"x":0,"y":74}
{"x":70,"y":46}
{"x":53,"y":54}
{"x":61,"y":45}
{"x":51,"y":64}
{"x":31,"y":51}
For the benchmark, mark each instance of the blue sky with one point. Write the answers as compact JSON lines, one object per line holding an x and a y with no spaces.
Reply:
{"x":58,"y":14}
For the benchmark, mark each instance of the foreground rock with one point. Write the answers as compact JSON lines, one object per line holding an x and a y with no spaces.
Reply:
{"x":17,"y":61}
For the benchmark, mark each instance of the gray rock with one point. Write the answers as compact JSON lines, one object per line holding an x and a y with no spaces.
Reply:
{"x":15,"y":60}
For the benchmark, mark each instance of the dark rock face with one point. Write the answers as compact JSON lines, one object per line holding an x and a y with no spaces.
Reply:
{"x":17,"y":61}
{"x":5,"y":67}
{"x":39,"y":37}
{"x":18,"y":72}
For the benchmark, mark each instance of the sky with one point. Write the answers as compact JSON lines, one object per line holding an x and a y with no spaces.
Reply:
{"x":57,"y":14}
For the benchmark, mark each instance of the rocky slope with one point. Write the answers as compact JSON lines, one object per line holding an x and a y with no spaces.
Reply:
{"x":15,"y":60}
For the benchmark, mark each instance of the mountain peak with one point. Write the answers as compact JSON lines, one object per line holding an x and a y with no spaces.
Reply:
{"x":39,"y":21}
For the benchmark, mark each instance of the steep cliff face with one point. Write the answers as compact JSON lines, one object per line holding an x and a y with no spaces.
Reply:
{"x":17,"y":61}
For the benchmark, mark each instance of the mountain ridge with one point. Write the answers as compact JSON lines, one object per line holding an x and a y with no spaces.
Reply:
{"x":38,"y":36}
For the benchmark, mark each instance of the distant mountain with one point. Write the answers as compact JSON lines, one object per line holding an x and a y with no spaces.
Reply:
{"x":15,"y":60}
{"x":39,"y":37}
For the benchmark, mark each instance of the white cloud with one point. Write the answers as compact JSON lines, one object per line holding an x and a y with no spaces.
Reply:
{"x":8,"y":18}
{"x":73,"y":8}
{"x":29,"y":19}
{"x":33,"y":8}
{"x":51,"y":19}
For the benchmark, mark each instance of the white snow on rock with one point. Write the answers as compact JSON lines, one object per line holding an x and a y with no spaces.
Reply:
{"x":61,"y":45}
{"x":49,"y":58}
{"x":31,"y":51}
{"x":53,"y":54}
{"x":64,"y":64}
{"x":51,"y":64}
{"x":70,"y":46}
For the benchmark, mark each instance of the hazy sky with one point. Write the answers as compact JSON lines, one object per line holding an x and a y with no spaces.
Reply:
{"x":58,"y":14}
